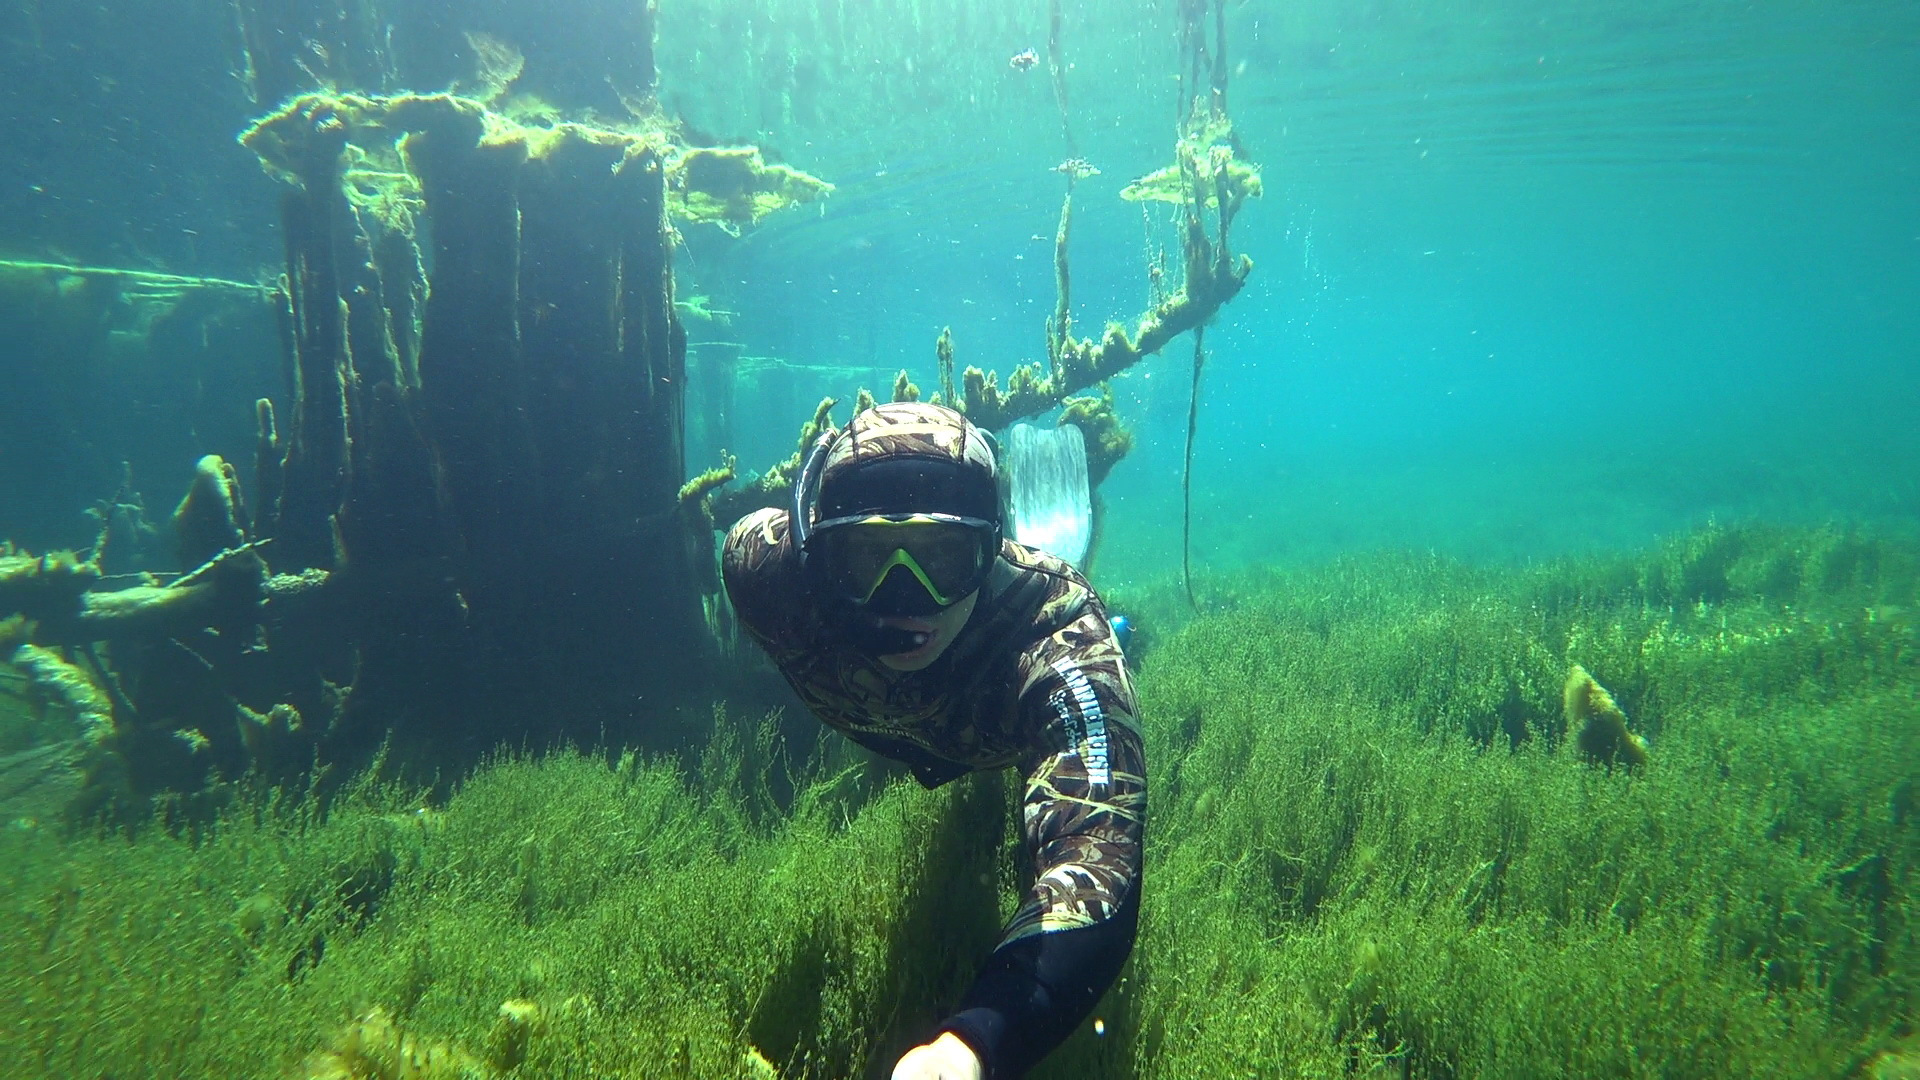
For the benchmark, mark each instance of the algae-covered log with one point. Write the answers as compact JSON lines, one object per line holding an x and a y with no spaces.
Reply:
{"x":56,"y":679}
{"x":43,"y":586}
{"x":1211,"y":179}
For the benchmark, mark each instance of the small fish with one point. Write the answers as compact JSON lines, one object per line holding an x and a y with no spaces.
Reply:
{"x":1024,"y":61}
{"x":1078,"y":168}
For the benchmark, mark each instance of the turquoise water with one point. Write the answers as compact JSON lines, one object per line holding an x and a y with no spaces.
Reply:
{"x":1527,"y":282}
{"x":1581,"y":338}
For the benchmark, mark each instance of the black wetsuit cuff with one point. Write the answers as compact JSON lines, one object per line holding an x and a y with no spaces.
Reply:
{"x":983,"y":1030}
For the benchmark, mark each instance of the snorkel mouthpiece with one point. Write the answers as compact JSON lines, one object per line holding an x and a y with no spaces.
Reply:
{"x":875,"y":638}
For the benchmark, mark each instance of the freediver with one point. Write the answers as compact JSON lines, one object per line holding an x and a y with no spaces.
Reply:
{"x":892,"y":604}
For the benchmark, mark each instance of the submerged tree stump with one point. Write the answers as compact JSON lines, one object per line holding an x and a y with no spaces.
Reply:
{"x":489,"y":480}
{"x":468,"y":524}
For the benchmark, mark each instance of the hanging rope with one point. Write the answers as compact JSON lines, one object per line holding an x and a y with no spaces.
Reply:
{"x":1212,"y":64}
{"x":1057,"y":71}
{"x":1186,"y":471}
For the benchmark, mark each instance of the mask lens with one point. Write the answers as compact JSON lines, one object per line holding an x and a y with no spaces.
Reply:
{"x":946,"y":555}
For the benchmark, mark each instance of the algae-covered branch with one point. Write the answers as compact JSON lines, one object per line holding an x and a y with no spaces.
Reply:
{"x":1209,"y":182}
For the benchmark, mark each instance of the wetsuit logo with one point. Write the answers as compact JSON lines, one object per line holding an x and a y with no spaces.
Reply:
{"x":1086,"y":725}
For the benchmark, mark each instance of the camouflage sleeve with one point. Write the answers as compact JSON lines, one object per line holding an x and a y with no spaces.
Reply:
{"x":1083,"y":817}
{"x":1085,"y":803}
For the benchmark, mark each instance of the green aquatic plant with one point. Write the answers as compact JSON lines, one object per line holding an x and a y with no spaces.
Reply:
{"x":733,"y":187}
{"x":365,"y":139}
{"x":1375,"y":849}
{"x":1239,"y":179}
{"x":1108,"y":440}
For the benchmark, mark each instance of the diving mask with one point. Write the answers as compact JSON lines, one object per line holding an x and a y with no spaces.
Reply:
{"x":901,"y":564}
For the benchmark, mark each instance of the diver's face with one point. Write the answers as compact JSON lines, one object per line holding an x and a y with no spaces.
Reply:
{"x":940,"y":629}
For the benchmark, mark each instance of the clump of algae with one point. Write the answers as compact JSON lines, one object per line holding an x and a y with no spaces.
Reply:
{"x":733,"y":187}
{"x":1599,"y":725}
{"x":1169,"y":186}
{"x":1206,"y":154}
{"x":374,"y":1047}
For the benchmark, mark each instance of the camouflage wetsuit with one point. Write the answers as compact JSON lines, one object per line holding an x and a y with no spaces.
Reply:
{"x":1034,"y":679}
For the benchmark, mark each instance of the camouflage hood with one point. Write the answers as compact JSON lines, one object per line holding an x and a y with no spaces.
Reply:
{"x":893,"y":456}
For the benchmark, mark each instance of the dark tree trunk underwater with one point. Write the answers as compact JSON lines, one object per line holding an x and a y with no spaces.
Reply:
{"x":467,"y":525}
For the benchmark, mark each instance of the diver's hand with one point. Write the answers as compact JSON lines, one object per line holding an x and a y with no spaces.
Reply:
{"x":945,"y":1058}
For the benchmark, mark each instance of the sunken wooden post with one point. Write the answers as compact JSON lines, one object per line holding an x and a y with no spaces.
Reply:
{"x":508,"y":555}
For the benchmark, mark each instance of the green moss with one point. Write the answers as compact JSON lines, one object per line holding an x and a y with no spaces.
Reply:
{"x":1205,"y":168}
{"x":1170,"y":186}
{"x":1107,"y":439}
{"x":729,"y":186}
{"x":1372,"y":851}
{"x":732,"y":187}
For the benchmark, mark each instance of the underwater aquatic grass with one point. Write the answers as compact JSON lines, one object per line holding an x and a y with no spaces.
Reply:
{"x":659,"y":930}
{"x":1342,"y":837}
{"x":1372,"y":851}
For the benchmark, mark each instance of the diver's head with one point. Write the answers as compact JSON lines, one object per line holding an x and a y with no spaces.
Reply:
{"x":898,"y":520}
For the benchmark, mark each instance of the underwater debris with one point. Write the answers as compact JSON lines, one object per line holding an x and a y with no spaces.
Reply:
{"x":904,"y":388}
{"x":733,"y":186}
{"x":374,"y":1047}
{"x":43,"y":586}
{"x":207,"y":521}
{"x":1206,"y":176}
{"x":698,"y":488}
{"x":695,"y":507}
{"x":71,"y":276}
{"x":1206,"y":167}
{"x":1167,"y":185}
{"x":1107,"y":439}
{"x":275,"y":741}
{"x":519,"y":1021}
{"x":1602,"y":737}
{"x":1207,"y":179}
{"x":701,"y":309}
{"x":56,"y":680}
{"x":230,"y":584}
{"x":378,"y":187}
